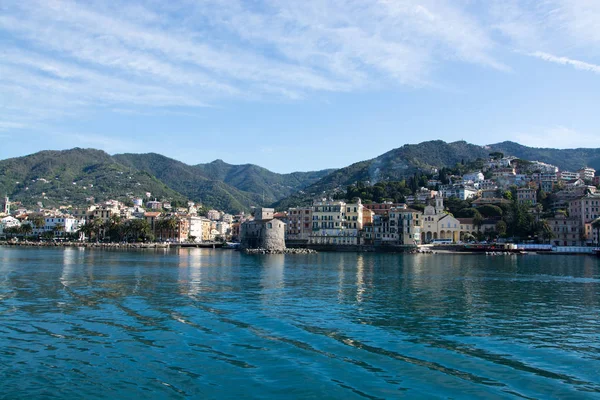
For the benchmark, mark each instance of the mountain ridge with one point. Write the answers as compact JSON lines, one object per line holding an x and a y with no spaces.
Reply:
{"x":77,"y":174}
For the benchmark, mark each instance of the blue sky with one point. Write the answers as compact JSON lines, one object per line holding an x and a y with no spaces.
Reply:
{"x":296,"y":85}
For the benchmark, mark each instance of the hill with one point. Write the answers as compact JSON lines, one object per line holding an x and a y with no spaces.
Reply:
{"x":401,"y":163}
{"x":72,"y":176}
{"x":565,"y":159}
{"x":221,"y":185}
{"x":396,"y":164}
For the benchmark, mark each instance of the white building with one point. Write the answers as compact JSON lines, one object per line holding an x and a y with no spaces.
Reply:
{"x":8,"y":222}
{"x":568,"y":175}
{"x":473,"y":177}
{"x":195,"y":228}
{"x":61,"y":225}
{"x":586,"y":173}
{"x":462,"y":192}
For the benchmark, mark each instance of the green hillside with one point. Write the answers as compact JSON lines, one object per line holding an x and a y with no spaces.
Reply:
{"x":565,"y":159}
{"x":72,"y":176}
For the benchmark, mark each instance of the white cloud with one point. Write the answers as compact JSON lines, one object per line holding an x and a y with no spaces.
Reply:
{"x":190,"y":54}
{"x":581,"y":65}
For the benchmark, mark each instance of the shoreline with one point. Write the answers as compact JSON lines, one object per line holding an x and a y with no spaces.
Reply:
{"x":128,"y":246}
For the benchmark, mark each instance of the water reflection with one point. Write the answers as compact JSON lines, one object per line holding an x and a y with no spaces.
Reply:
{"x":360,"y":281}
{"x":326,"y":325}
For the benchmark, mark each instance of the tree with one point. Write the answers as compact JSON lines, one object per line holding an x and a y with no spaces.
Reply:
{"x":478,"y":221}
{"x":12,"y":231}
{"x":58,"y":229}
{"x":496,"y":155}
{"x":138,"y":229}
{"x":501,"y":228}
{"x":489,"y":210}
{"x":39,"y":221}
{"x":26,"y":229}
{"x":596,"y":227}
{"x":468,"y":212}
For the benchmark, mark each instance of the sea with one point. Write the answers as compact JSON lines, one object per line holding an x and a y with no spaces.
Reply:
{"x":81,"y":323}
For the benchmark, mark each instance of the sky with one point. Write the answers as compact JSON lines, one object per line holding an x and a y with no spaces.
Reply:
{"x":296,"y":85}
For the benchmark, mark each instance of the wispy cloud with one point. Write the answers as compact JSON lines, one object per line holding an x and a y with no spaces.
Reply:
{"x":63,"y":58}
{"x":78,"y":55}
{"x":584,"y":66}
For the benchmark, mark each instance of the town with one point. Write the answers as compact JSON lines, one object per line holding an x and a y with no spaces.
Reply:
{"x":501,"y":199}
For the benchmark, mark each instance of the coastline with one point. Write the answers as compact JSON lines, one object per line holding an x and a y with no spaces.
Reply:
{"x":413,"y":251}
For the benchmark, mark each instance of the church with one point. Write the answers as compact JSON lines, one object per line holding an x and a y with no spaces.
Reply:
{"x":437,"y":224}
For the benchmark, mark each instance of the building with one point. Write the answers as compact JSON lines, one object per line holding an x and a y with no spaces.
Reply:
{"x":353,"y":217}
{"x":60,"y":225}
{"x":596,"y":181}
{"x":263,"y":232}
{"x":213,"y":215}
{"x":195,"y":228}
{"x":498,"y":163}
{"x":459,"y":191}
{"x":152,"y":218}
{"x":154,"y":205}
{"x":437,"y":224}
{"x":568,"y":176}
{"x":336,"y":222}
{"x":228,"y":218}
{"x":567,"y":231}
{"x":382,"y":208}
{"x":407,"y":225}
{"x":421,"y":196}
{"x":299,"y":225}
{"x":586,"y":173}
{"x":585,"y":209}
{"x":527,"y":196}
{"x":8,"y":222}
{"x":208,"y":234}
{"x":473,"y":177}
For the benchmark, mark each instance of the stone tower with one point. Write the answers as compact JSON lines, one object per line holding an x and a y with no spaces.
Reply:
{"x":439,"y":204}
{"x":6,"y":206}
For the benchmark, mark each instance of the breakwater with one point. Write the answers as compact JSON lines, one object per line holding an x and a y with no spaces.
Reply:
{"x":282,"y":251}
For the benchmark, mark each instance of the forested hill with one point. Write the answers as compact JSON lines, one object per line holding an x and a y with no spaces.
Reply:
{"x":403,"y":162}
{"x":77,"y":175}
{"x":74,"y":176}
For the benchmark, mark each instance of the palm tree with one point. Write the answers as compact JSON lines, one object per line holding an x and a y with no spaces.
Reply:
{"x":58,"y":228}
{"x":545,"y":231}
{"x":171,"y":224}
{"x":87,"y":230}
{"x":139,"y":229}
{"x":26,"y":229}
{"x":159,"y":226}
{"x":39,"y":221}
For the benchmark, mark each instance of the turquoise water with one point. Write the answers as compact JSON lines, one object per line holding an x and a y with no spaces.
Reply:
{"x":195,"y":323}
